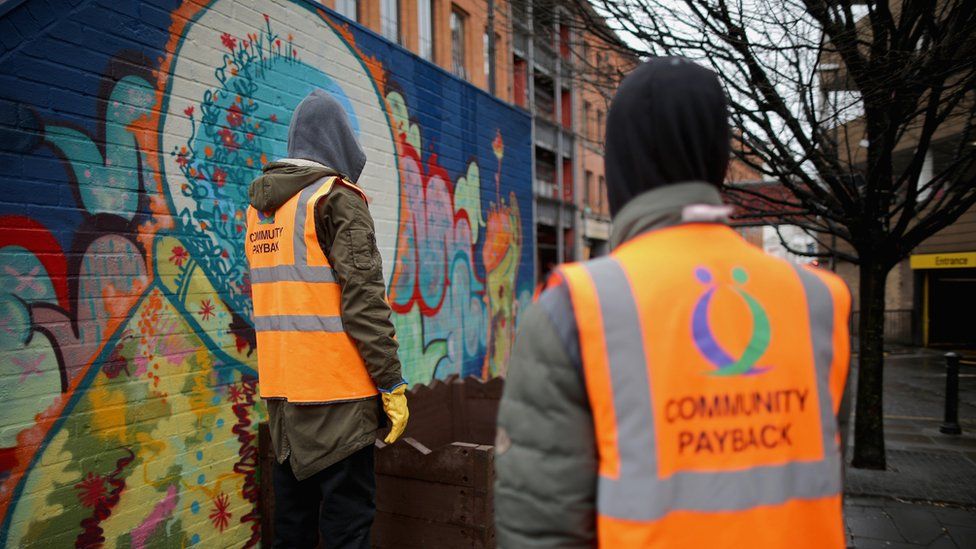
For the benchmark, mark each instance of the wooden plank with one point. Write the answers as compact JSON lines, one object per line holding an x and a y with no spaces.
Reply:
{"x":431,"y":420}
{"x":441,"y":503}
{"x":453,"y":464}
{"x":484,"y":469}
{"x":454,"y":409}
{"x":482,"y":418}
{"x":459,"y":423}
{"x":481,"y":400}
{"x":391,"y":530}
{"x":478,"y":389}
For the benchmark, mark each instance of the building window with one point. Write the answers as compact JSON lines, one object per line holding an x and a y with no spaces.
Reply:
{"x":520,"y":10}
{"x":588,"y":189}
{"x":564,"y":41}
{"x":520,"y":70}
{"x":390,"y":20}
{"x":458,"y":21}
{"x":585,"y":122}
{"x":568,"y":180}
{"x":599,"y":127}
{"x":425,"y":29}
{"x":545,"y":97}
{"x":566,"y":108}
{"x":484,"y":51}
{"x":925,"y":176}
{"x":486,"y":46}
{"x":347,"y":8}
{"x":544,"y":22}
{"x":601,"y":196}
{"x":545,"y":173}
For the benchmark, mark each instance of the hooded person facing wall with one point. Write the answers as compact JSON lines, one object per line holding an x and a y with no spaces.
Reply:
{"x":668,"y":123}
{"x":667,"y":395}
{"x":326,"y":344}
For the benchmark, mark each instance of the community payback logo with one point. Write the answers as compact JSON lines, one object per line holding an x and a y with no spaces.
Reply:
{"x":731,"y":422}
{"x":704,"y":337}
{"x":266,"y":218}
{"x":265,"y":241}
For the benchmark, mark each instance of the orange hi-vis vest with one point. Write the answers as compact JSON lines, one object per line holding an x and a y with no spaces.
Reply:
{"x":714,"y":373}
{"x":304,"y":354}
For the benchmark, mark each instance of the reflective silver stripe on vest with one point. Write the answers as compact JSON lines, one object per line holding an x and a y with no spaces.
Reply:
{"x":297,"y":323}
{"x":638,"y":493}
{"x":301,"y":250}
{"x":292,"y":273}
{"x":820,"y":304}
{"x":301,"y":271}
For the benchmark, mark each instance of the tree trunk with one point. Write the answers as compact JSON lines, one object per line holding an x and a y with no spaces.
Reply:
{"x":869,"y":444}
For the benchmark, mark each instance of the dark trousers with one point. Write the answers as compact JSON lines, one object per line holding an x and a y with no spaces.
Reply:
{"x":338,"y":502}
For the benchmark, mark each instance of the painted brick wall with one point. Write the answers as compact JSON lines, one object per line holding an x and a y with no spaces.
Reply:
{"x":128,"y":134}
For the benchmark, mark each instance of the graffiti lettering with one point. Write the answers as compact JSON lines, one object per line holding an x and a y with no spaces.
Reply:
{"x":128,"y":407}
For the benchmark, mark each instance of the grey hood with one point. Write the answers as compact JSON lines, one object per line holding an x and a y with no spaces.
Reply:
{"x":320,"y":132}
{"x":282,"y":180}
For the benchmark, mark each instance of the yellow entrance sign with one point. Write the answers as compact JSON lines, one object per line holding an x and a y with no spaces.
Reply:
{"x":961,"y":260}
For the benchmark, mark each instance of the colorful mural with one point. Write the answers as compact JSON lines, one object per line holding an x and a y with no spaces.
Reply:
{"x":128,"y":390}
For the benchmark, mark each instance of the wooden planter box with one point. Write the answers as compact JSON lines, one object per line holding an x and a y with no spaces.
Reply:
{"x":434,"y":485}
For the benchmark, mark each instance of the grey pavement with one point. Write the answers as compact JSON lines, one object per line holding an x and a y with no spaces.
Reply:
{"x":927,"y":495}
{"x":875,"y":523}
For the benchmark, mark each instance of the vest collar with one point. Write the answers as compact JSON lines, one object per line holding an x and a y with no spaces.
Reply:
{"x":304,"y":163}
{"x":667,"y":206}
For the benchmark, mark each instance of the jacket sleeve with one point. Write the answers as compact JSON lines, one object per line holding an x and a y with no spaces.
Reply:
{"x":546,"y":466}
{"x":346,"y":234}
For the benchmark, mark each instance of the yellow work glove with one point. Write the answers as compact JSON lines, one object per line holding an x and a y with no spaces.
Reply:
{"x":395,"y":406}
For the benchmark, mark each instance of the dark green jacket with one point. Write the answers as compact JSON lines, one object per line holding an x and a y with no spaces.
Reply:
{"x":316,"y":436}
{"x":546,"y":462}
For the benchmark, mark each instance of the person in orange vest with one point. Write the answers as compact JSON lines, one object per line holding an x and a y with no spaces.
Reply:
{"x":325,"y":343}
{"x":683,"y":391}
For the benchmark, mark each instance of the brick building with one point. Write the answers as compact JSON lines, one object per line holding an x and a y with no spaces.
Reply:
{"x":931,"y":295}
{"x":544,"y":62}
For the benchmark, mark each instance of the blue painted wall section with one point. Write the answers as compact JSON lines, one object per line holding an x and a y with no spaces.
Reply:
{"x":129,"y":132}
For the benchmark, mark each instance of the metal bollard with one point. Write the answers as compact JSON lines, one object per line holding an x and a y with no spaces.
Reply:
{"x":951,"y":424}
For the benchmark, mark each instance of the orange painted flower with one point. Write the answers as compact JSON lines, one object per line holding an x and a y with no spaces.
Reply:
{"x":181,"y":158}
{"x":498,"y":145}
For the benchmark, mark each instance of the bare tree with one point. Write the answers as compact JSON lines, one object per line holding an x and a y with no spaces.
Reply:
{"x":840,"y":103}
